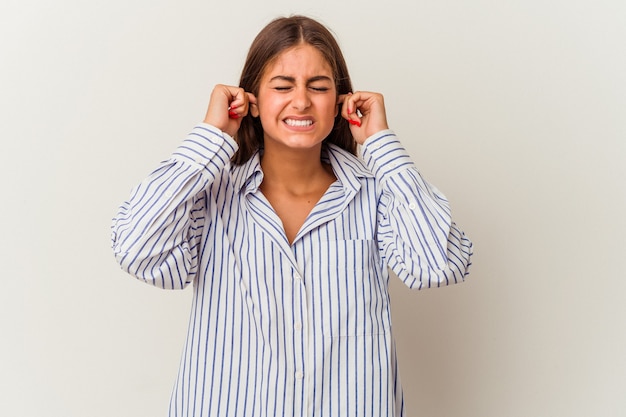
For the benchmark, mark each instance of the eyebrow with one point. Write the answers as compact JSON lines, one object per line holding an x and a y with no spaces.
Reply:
{"x":293,"y":80}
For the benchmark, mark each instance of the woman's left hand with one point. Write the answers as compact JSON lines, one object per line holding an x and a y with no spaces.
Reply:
{"x":365,"y":111}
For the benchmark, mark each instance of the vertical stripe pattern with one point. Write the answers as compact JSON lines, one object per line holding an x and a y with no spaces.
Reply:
{"x":279,"y":329}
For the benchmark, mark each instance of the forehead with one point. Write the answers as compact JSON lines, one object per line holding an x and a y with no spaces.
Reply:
{"x":299,"y":61}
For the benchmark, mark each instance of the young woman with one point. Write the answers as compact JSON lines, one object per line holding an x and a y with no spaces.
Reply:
{"x":287,"y":236}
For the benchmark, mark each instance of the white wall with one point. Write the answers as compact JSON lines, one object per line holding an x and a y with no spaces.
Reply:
{"x":515,"y":109}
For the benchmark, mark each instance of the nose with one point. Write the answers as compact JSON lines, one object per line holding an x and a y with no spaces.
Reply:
{"x":301,"y":100}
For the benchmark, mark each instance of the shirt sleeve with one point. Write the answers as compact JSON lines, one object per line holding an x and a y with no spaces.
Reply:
{"x":416,"y":235}
{"x":156,"y":233}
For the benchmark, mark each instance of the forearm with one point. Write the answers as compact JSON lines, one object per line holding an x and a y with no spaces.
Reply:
{"x":416,"y":233}
{"x":155,"y":233}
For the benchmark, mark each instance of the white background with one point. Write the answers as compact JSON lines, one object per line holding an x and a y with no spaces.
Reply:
{"x":515,"y":109}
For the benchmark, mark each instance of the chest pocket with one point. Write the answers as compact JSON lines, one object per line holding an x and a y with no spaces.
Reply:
{"x":350,"y":288}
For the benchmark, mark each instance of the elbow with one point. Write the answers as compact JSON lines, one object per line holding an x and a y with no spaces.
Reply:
{"x":451,"y":270}
{"x":165,"y":267}
{"x":161,"y":271}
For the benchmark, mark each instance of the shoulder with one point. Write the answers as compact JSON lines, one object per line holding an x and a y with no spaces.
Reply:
{"x":344,"y":161}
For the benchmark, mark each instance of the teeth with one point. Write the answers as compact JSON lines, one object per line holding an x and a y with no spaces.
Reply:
{"x":299,"y":123}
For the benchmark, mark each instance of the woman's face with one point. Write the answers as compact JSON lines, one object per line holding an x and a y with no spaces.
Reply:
{"x":297,"y":99}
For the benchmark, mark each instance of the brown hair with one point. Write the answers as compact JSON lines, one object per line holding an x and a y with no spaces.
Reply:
{"x":281,"y":34}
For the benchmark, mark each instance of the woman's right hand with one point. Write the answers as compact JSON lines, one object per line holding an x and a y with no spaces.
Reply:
{"x":228,"y":105}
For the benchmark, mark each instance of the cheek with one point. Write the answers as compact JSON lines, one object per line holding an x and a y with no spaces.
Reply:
{"x":324,"y":104}
{"x":263,"y":111}
{"x":269,"y":107}
{"x":332,"y":109}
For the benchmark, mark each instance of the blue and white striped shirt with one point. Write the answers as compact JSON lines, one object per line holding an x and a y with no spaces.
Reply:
{"x":279,"y":329}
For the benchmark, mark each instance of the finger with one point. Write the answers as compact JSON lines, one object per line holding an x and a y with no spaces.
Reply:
{"x":346,"y":101}
{"x":360,"y":101}
{"x":232,"y":113}
{"x":358,"y":104}
{"x":251,"y":98}
{"x":237,"y":97}
{"x":240,"y":104}
{"x":348,"y":110}
{"x":341,"y":98}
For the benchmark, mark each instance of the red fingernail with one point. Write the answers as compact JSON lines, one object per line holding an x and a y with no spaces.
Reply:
{"x":233,"y":106}
{"x":355,"y":123}
{"x":233,"y":115}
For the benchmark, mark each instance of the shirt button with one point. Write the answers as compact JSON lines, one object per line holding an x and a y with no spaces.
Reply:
{"x":412,"y":206}
{"x":297,"y":277}
{"x":168,"y":194}
{"x":299,"y":375}
{"x":298,"y":326}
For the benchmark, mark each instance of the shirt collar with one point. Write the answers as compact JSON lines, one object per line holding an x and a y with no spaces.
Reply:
{"x":248,"y":175}
{"x":348,"y":168}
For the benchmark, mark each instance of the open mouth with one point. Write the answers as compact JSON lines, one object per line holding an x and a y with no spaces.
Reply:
{"x":298,"y":123}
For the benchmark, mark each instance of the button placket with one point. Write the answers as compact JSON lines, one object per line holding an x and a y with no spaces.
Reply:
{"x":299,"y":313}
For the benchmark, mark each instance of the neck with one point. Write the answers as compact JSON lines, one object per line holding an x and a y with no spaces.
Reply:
{"x":294,"y":170}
